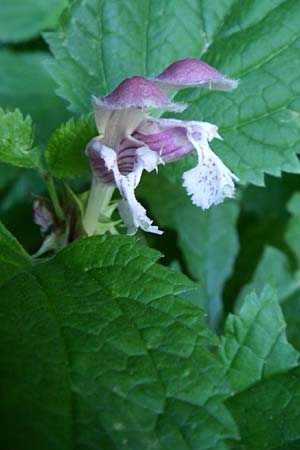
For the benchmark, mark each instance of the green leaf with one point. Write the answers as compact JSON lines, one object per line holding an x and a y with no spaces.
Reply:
{"x":16,"y":137}
{"x":18,"y":188}
{"x":92,"y":58}
{"x":268,"y":413}
{"x":254,"y":345}
{"x":259,"y":121}
{"x":13,"y":257}
{"x":207,"y":239}
{"x":36,"y":399}
{"x":272,"y":198}
{"x":65,"y":151}
{"x":248,"y":13}
{"x":24,"y":19}
{"x":292,"y":234}
{"x":276,"y":267}
{"x":25,"y":84}
{"x":139,"y":364}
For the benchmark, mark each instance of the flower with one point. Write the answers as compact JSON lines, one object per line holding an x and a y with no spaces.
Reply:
{"x":42,"y":215}
{"x":129,"y":142}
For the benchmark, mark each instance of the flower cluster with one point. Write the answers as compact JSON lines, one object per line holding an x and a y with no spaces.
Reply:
{"x":130,"y":142}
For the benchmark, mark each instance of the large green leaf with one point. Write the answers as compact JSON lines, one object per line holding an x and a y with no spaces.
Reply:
{"x":108,"y":326}
{"x":207,"y":239}
{"x":255,"y":349}
{"x":25,"y":84}
{"x":16,"y":140}
{"x":36,"y":400}
{"x":12,"y":256}
{"x":23,"y":19}
{"x":99,"y":43}
{"x":254,"y":345}
{"x":259,"y":121}
{"x":268,"y":413}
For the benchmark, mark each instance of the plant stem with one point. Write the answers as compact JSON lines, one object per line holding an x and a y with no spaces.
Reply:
{"x":54,"y":198}
{"x":99,"y":199}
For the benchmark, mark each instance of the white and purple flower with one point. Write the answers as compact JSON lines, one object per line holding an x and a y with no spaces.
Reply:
{"x":130,"y":142}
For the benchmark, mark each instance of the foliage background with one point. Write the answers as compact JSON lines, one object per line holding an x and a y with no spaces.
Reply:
{"x":132,"y":391}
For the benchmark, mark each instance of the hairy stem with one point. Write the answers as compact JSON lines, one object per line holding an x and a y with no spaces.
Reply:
{"x":99,"y":199}
{"x":54,"y":198}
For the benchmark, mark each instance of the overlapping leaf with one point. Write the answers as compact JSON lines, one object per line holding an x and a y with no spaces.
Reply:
{"x":268,"y":413}
{"x":138,"y":364}
{"x":12,"y":256}
{"x":16,"y":139}
{"x":25,"y":84}
{"x":65,"y":151}
{"x":254,"y":345}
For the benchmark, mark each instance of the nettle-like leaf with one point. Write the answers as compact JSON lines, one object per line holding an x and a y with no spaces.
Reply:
{"x":92,"y":57}
{"x":98,"y":350}
{"x":16,"y":139}
{"x":65,"y":153}
{"x":207,"y":239}
{"x":13,"y":258}
{"x":254,"y":349}
{"x":276,"y":267}
{"x":25,"y":19}
{"x":268,"y":413}
{"x":26,"y":84}
{"x":254,"y":345}
{"x":259,"y":121}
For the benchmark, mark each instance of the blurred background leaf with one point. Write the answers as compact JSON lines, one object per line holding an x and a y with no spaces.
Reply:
{"x":21,"y":20}
{"x":26,"y":84}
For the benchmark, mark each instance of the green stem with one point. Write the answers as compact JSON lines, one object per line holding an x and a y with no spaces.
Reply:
{"x":99,"y":199}
{"x":54,"y":198}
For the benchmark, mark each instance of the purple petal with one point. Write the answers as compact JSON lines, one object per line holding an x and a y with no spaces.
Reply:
{"x":168,"y":137}
{"x":137,"y":92}
{"x":101,"y":172}
{"x":191,"y":72}
{"x":130,"y":155}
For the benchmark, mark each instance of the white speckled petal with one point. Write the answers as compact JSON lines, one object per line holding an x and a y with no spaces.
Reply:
{"x":210,"y":182}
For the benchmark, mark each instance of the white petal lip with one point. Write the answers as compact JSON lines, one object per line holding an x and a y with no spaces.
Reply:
{"x":210,"y":182}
